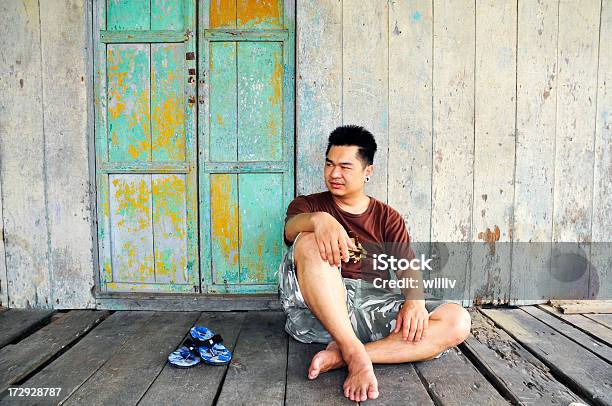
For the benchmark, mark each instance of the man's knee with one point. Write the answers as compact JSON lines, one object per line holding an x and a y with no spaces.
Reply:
{"x":460,"y":324}
{"x":306,"y":248}
{"x":457,"y":323}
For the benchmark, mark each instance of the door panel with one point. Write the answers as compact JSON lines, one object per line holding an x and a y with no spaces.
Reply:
{"x":223,"y":102}
{"x":246,"y":125}
{"x":146,"y":145}
{"x":260,"y":74}
{"x":261,"y":222}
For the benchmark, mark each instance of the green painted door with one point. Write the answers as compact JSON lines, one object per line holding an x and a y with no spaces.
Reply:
{"x":148,"y":156}
{"x":145,"y":102}
{"x":246,"y":121}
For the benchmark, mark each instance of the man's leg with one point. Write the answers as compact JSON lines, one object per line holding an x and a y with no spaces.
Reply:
{"x":324,"y":293}
{"x":449,"y":325}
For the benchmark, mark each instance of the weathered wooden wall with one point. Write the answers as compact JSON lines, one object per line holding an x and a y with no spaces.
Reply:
{"x":44,"y":151}
{"x":492,"y":118}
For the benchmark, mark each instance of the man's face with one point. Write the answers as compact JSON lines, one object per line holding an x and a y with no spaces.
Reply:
{"x":344,"y":172}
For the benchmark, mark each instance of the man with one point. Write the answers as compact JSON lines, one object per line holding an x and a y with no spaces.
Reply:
{"x":329,"y":301}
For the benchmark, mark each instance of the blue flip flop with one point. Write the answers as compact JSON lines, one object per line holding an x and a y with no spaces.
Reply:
{"x":186,"y":356}
{"x":210,"y":346}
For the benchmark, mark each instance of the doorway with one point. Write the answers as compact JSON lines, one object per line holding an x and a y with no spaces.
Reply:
{"x":194,"y":143}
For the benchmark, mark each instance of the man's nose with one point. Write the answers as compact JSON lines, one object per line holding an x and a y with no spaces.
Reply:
{"x":336,"y":172}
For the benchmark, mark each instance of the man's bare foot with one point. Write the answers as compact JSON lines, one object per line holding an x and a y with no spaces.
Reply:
{"x":326,"y":360}
{"x":361,"y":383}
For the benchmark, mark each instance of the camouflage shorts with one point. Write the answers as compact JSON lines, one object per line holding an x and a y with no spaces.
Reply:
{"x":372,"y":311}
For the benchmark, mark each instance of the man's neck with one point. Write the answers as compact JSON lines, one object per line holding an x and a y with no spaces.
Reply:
{"x":355,"y":204}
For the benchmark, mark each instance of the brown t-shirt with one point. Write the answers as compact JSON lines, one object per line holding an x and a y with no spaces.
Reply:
{"x":379,"y":224}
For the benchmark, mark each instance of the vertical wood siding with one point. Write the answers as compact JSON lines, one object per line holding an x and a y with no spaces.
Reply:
{"x":44,"y":144}
{"x":494,"y":122}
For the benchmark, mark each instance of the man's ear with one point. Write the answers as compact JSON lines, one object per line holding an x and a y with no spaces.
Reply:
{"x":369,"y":170}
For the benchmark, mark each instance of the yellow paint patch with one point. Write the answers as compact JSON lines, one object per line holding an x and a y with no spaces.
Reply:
{"x":222,"y":13}
{"x":133,"y":204}
{"x":224,"y":212}
{"x":277,"y":79}
{"x":252,"y":13}
{"x":169,"y":194}
{"x":132,"y":151}
{"x":169,"y":122}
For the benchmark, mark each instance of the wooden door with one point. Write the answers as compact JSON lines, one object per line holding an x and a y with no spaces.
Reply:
{"x":145,"y":101}
{"x":246,"y":141}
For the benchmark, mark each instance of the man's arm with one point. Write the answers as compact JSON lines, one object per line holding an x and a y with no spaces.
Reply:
{"x":298,"y":223}
{"x":332,"y":239}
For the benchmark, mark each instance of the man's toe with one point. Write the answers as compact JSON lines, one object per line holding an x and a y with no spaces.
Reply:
{"x":372,"y":392}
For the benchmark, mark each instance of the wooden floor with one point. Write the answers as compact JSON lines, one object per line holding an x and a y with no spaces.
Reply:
{"x":529,"y":355}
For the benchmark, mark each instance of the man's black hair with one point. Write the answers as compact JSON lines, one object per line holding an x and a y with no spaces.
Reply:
{"x":348,"y":135}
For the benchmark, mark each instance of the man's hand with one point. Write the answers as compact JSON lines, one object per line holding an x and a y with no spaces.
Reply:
{"x":332,"y":239}
{"x":412,"y":320}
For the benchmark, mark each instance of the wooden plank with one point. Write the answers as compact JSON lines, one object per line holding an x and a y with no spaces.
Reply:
{"x":453,"y":380}
{"x":131,"y":228}
{"x":260,"y":103}
{"x":583,"y":323}
{"x":365,"y":79}
{"x":453,"y":138}
{"x":494,"y":139}
{"x":605,"y":319}
{"x":22,"y":165}
{"x":187,"y":302}
{"x":583,"y":306}
{"x":410,"y":125}
{"x":515,"y":371}
{"x":601,"y":248}
{"x":577,"y":368}
{"x":261,"y":227}
{"x":574,"y":143}
{"x":101,"y":144}
{"x":80,"y":362}
{"x":247,"y":35}
{"x":131,"y":369}
{"x":131,"y":36}
{"x":19,"y":360}
{"x":16,"y":323}
{"x":326,"y":389}
{"x":4,"y":300}
{"x":199,"y":385}
{"x":319,"y":88}
{"x":260,"y":361}
{"x":223,"y":137}
{"x":66,"y":154}
{"x":400,"y":385}
{"x":170,"y":230}
{"x":596,"y":347}
{"x":600,"y":308}
{"x":536,"y":73}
